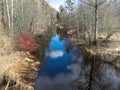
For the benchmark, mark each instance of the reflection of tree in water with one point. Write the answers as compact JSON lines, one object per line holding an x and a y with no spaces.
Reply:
{"x":87,"y":74}
{"x":105,"y":77}
{"x":59,"y":71}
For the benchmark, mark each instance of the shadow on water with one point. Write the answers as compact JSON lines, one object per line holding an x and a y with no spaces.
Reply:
{"x":64,"y":70}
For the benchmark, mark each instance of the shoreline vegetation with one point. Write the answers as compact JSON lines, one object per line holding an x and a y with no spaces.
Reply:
{"x":18,"y":69}
{"x":18,"y":65}
{"x":108,"y":50}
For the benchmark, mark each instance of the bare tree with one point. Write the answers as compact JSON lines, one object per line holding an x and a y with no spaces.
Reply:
{"x":95,"y":6}
{"x":110,"y":18}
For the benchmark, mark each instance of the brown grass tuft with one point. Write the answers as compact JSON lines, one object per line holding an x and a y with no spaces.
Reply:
{"x":7,"y":44}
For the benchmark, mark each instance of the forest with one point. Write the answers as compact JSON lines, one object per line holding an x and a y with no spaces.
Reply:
{"x":92,"y":18}
{"x":27,"y":28}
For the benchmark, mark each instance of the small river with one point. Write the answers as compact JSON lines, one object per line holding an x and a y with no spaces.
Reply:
{"x":60,"y":66}
{"x":65,"y":69}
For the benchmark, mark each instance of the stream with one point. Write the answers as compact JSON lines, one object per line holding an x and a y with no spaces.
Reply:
{"x":65,"y":69}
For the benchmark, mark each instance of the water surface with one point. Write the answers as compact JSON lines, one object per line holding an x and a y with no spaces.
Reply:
{"x":60,"y":67}
{"x":63,"y":70}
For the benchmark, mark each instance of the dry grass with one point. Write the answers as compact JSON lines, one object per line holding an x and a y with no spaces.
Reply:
{"x":16,"y":65}
{"x":20,"y":67}
{"x":108,"y":50}
{"x":7,"y":44}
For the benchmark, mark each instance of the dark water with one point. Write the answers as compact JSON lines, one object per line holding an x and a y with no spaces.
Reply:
{"x":60,"y":67}
{"x":64,"y":70}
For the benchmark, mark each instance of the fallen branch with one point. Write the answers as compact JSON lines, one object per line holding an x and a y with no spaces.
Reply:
{"x":7,"y":85}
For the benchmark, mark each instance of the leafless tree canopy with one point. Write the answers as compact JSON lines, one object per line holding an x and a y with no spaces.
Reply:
{"x":27,"y":15}
{"x":95,"y":17}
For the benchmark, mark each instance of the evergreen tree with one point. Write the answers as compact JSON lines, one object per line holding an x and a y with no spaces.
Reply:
{"x":69,"y":5}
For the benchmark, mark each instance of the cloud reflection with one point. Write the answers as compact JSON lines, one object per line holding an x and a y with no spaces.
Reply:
{"x":55,"y":54}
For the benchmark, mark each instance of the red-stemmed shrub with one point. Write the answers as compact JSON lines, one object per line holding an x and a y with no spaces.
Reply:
{"x":27,"y":42}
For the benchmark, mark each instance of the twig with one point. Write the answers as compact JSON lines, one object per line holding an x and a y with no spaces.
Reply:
{"x":7,"y":85}
{"x":87,"y":3}
{"x":101,"y":2}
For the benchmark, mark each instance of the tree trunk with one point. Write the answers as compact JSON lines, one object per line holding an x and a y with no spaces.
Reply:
{"x":22,"y":12}
{"x":96,"y":23}
{"x":2,"y":12}
{"x":12,"y":14}
{"x":8,"y":15}
{"x":77,"y":24}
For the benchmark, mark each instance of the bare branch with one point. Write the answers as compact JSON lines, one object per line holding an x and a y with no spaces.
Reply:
{"x":101,"y":3}
{"x":87,"y":3}
{"x":114,"y":28}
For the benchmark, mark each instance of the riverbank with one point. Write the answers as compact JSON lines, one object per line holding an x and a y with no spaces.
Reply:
{"x":108,"y":51}
{"x":18,"y":68}
{"x":18,"y":71}
{"x":103,"y":62}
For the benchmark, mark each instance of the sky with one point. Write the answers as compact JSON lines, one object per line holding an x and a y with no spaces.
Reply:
{"x":56,"y":3}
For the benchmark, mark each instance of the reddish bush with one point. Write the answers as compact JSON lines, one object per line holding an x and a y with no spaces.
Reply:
{"x":27,"y":42}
